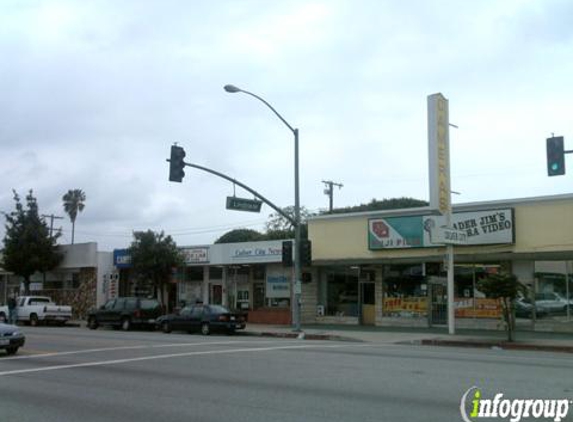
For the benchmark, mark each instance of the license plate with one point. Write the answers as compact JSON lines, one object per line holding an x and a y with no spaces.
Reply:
{"x":151,"y":321}
{"x":232,"y":318}
{"x":4,"y":342}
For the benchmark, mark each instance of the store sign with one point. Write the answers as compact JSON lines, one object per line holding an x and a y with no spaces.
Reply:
{"x":448,"y":236}
{"x":439,"y":152}
{"x":477,"y":308}
{"x":195,"y":255}
{"x":121,"y":258}
{"x":278,"y":286}
{"x":477,"y":228}
{"x":255,"y":254}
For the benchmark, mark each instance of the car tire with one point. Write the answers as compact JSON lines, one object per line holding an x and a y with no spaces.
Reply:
{"x":2,"y":317}
{"x":12,"y":350}
{"x":92,"y":323}
{"x":34,"y":320}
{"x":166,"y":327}
{"x":205,"y":330}
{"x":125,"y":324}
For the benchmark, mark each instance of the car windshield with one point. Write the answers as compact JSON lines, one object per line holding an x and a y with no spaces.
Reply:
{"x":216,"y":309}
{"x":149,"y":303}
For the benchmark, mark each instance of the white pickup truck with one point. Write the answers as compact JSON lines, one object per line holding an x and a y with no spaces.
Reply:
{"x":40,"y":309}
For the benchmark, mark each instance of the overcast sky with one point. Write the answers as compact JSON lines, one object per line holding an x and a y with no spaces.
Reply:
{"x":93,"y":93}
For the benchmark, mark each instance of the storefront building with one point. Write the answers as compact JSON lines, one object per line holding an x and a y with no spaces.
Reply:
{"x":387,"y":268}
{"x":77,"y":281}
{"x":245,"y":276}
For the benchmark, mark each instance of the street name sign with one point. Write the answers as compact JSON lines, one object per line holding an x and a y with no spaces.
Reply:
{"x":243,"y":204}
{"x":449,"y":236}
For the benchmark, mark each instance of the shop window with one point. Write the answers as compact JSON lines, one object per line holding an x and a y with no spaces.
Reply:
{"x":259,"y":272}
{"x":239,"y":274}
{"x":215,"y":273}
{"x":53,"y":284}
{"x":75,"y":280}
{"x":342,"y":293}
{"x":405,"y":291}
{"x":194,"y":274}
{"x":554,"y":277}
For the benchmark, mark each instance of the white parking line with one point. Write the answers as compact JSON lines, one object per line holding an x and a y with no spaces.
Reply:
{"x":140,"y":347}
{"x":172,"y":355}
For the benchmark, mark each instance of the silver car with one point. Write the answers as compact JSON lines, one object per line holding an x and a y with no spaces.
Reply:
{"x":552,"y":302}
{"x":11,"y":338}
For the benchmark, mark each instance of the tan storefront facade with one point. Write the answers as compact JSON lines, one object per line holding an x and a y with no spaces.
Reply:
{"x":384,"y":268}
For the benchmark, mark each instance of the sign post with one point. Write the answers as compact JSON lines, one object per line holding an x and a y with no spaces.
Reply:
{"x":440,"y":190}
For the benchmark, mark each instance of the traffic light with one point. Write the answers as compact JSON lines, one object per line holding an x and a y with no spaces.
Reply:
{"x":305,"y":252}
{"x":176,"y":164}
{"x":555,"y":156}
{"x":287,"y":253}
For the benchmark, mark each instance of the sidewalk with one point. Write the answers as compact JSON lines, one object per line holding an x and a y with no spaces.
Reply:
{"x":525,"y":340}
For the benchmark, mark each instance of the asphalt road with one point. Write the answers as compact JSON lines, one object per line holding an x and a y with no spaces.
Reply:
{"x":74,"y":374}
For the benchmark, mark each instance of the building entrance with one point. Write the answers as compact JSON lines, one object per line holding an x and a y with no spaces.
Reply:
{"x":437,"y":292}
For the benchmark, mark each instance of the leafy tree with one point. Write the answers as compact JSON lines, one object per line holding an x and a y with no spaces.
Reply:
{"x":241,"y":235}
{"x":505,"y":287}
{"x":28,"y":246}
{"x":74,"y":203}
{"x":384,"y":204}
{"x":278,"y":227}
{"x":154,"y":256}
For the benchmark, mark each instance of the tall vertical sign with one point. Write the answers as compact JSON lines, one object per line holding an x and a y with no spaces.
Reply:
{"x":439,"y":153}
{"x":440,"y":191}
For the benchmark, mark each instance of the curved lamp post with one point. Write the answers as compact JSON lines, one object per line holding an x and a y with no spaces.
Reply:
{"x":296,"y":286}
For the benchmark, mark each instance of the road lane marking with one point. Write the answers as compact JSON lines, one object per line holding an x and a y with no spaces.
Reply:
{"x":41,"y":354}
{"x":168,"y":356}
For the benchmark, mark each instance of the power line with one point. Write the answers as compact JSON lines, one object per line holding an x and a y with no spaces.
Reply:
{"x":329,"y":191}
{"x":52,"y":217}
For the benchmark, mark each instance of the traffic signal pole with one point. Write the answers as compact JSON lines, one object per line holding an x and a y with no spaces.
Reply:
{"x":236,"y":182}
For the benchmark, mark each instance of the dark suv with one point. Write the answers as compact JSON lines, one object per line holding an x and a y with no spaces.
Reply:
{"x":126,"y":312}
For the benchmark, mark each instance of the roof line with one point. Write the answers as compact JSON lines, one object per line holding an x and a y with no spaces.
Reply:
{"x":498,"y":203}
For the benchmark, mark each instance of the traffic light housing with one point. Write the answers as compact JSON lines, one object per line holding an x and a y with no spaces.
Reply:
{"x":305,"y":252}
{"x":555,"y":156}
{"x":287,"y":253}
{"x":176,"y":164}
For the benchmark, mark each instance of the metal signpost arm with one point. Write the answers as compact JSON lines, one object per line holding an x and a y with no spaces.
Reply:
{"x":254,"y":192}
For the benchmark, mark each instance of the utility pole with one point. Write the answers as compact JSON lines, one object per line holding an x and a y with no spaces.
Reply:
{"x":52,"y":218}
{"x":329,"y":191}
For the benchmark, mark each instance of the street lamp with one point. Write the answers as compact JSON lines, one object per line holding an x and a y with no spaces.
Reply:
{"x":297,"y":264}
{"x":296,"y":285}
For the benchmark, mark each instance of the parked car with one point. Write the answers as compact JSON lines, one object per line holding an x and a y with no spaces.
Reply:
{"x":125,"y":313}
{"x":524,"y":309}
{"x":552,"y":302}
{"x":41,"y":309}
{"x":203,"y":318}
{"x":11,"y":338}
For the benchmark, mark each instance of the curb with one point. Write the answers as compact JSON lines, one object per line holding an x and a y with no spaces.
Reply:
{"x":300,"y":336}
{"x":503,"y":345}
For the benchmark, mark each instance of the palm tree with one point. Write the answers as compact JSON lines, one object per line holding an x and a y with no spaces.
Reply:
{"x":74,"y":203}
